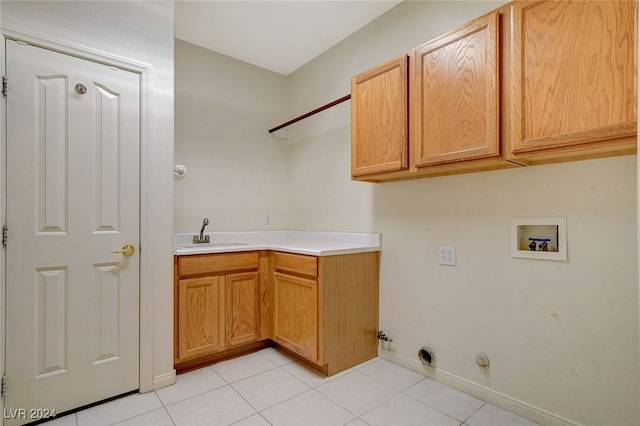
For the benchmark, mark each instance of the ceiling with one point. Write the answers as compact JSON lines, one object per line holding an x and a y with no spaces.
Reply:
{"x":280,"y":36}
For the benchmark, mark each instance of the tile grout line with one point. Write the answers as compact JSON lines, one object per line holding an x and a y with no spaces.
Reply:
{"x":294,"y":396}
{"x":474,"y":413}
{"x":253,"y":375}
{"x":379,"y":376}
{"x":164,"y":406}
{"x":365,"y":375}
{"x":439,"y":410}
{"x":251,"y":415}
{"x":194,"y":395}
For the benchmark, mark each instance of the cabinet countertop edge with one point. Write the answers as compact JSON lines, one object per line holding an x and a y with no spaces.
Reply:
{"x":298,"y":242}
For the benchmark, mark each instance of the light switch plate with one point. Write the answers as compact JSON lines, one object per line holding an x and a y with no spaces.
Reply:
{"x":447,"y":255}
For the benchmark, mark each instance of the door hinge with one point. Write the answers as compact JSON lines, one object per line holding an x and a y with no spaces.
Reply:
{"x":3,"y":388}
{"x":4,"y":86}
{"x":5,"y":233}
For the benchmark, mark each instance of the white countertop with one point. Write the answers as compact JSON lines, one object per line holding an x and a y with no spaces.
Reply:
{"x":301,"y":242}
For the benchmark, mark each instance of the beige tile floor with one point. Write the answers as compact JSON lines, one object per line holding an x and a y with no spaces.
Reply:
{"x":269,"y":388}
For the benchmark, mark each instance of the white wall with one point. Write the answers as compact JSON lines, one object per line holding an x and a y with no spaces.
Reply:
{"x":562,"y":337}
{"x":323,"y":142}
{"x":236,"y":171}
{"x":141,"y":32}
{"x":551,"y":329}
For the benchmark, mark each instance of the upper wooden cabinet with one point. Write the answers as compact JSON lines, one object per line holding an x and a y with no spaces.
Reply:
{"x":533,"y":82}
{"x":454,"y":95}
{"x":379,"y":129}
{"x":573,"y":77}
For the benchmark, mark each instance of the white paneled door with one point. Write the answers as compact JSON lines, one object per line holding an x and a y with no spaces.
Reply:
{"x":72,"y":304}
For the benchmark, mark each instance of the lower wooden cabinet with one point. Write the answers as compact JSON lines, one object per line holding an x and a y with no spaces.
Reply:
{"x":242,"y":307}
{"x":217,"y":304}
{"x":324,"y":310}
{"x":201,"y":321}
{"x":295,"y":314}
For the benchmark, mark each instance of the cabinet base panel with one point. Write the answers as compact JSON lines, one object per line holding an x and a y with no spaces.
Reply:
{"x":322,"y":369}
{"x":203,"y":361}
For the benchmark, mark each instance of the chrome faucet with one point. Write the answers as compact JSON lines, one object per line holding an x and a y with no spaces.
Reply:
{"x":202,"y":238}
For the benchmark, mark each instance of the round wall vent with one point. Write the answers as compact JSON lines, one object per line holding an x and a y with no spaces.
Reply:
{"x":427,"y":356}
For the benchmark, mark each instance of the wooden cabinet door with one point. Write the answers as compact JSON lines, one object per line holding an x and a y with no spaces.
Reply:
{"x":243,"y":310}
{"x":379,"y":128}
{"x":201,"y":316}
{"x":455,"y":96}
{"x":573,"y":73}
{"x":295,"y":322}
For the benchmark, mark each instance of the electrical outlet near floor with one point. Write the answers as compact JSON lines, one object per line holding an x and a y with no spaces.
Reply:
{"x":447,"y":255}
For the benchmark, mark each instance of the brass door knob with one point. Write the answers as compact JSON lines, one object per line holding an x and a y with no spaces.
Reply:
{"x":126,"y":250}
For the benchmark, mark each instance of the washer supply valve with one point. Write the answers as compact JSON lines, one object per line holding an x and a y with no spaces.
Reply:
{"x":382,"y":336}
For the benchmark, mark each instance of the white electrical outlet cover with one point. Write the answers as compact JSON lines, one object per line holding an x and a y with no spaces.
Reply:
{"x":447,"y":255}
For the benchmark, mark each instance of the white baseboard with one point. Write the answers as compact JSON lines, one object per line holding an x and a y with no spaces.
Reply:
{"x":164,"y":380}
{"x":491,"y":396}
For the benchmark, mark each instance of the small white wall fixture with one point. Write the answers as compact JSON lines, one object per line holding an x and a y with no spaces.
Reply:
{"x":539,"y":238}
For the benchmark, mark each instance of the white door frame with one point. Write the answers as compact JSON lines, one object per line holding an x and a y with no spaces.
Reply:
{"x":146,"y":381}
